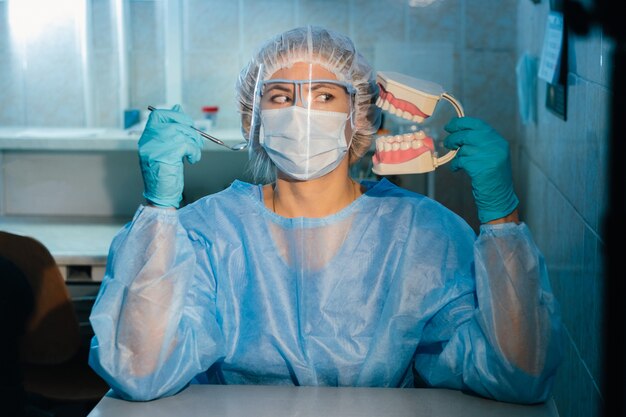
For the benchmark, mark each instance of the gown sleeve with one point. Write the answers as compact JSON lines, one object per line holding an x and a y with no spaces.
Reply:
{"x":154,"y":318}
{"x":503,"y":341}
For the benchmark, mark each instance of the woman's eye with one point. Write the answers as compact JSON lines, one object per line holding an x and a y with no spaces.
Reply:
{"x":280,"y":99}
{"x":324,"y":97}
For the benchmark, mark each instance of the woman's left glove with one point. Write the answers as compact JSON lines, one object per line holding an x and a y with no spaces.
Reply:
{"x":485,"y":156}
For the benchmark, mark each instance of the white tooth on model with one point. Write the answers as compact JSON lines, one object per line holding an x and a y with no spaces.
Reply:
{"x":379,"y":146}
{"x":407,"y":137}
{"x":404,"y":145}
{"x":420,"y":134}
{"x":418,"y":119}
{"x":387,"y":146}
{"x":379,"y":102}
{"x":416,"y":144}
{"x":395,"y":146}
{"x":385,"y":105}
{"x":399,"y":112}
{"x":392,"y":108}
{"x":406,"y":115}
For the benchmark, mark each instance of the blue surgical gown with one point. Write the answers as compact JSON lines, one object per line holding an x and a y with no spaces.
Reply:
{"x":392,"y":289}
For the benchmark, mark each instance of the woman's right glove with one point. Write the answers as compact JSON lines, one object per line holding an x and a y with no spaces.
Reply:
{"x":166,"y":140}
{"x":485,"y":156}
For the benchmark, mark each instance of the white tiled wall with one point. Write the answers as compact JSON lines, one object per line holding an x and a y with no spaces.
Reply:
{"x":563,"y":166}
{"x":218,"y":37}
{"x":450,"y":41}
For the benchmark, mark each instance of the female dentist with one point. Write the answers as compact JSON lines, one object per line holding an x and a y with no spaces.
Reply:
{"x":310,"y":278}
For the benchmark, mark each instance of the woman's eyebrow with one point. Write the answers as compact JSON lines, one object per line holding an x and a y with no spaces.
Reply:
{"x":318,"y":85}
{"x":288,"y":88}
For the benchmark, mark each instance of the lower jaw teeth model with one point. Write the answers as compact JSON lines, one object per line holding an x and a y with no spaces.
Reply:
{"x":414,"y":100}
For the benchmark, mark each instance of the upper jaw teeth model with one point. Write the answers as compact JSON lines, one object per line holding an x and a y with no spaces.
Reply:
{"x":414,"y":100}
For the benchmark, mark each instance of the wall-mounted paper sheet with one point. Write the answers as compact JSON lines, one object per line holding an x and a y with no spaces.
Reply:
{"x":551,"y":51}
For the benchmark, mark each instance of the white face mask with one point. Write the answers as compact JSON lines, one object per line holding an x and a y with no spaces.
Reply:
{"x":304,"y":143}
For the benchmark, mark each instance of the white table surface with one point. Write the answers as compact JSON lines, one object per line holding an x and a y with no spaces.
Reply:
{"x":274,"y":401}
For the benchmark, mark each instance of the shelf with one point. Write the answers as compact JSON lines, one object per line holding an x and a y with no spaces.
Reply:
{"x":90,"y":139}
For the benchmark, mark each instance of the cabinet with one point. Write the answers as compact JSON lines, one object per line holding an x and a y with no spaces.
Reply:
{"x":73,"y":189}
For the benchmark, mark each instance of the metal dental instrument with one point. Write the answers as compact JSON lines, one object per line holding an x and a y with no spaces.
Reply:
{"x":237,"y":147}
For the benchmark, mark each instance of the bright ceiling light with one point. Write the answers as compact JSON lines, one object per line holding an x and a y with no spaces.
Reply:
{"x":29,"y":19}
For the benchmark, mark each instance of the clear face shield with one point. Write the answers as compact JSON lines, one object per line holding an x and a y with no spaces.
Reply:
{"x":304,"y":117}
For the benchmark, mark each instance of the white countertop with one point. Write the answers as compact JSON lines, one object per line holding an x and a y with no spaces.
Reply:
{"x":75,"y":241}
{"x":275,"y":401}
{"x":90,"y":139}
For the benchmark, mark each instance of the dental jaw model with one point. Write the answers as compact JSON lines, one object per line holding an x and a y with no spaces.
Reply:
{"x":414,"y":100}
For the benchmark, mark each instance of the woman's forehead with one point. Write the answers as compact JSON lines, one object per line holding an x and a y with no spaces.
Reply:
{"x":304,"y":71}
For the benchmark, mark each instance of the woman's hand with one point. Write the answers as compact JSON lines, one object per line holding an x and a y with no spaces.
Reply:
{"x":166,"y":140}
{"x":485,"y":156}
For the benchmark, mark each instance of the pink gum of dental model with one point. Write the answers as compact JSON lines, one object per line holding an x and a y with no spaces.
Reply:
{"x":401,"y":104}
{"x":399,"y":156}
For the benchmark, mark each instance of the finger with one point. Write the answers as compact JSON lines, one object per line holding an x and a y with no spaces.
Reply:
{"x":193,"y":153}
{"x":170,"y":116}
{"x":465,"y":123}
{"x":453,"y":141}
{"x":189,"y":132}
{"x":180,"y":116}
{"x":467,"y":141}
{"x":457,"y":139}
{"x":193,"y":144}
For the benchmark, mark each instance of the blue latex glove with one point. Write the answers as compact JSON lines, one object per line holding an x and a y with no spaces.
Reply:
{"x":484,"y":155}
{"x":167,"y":139}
